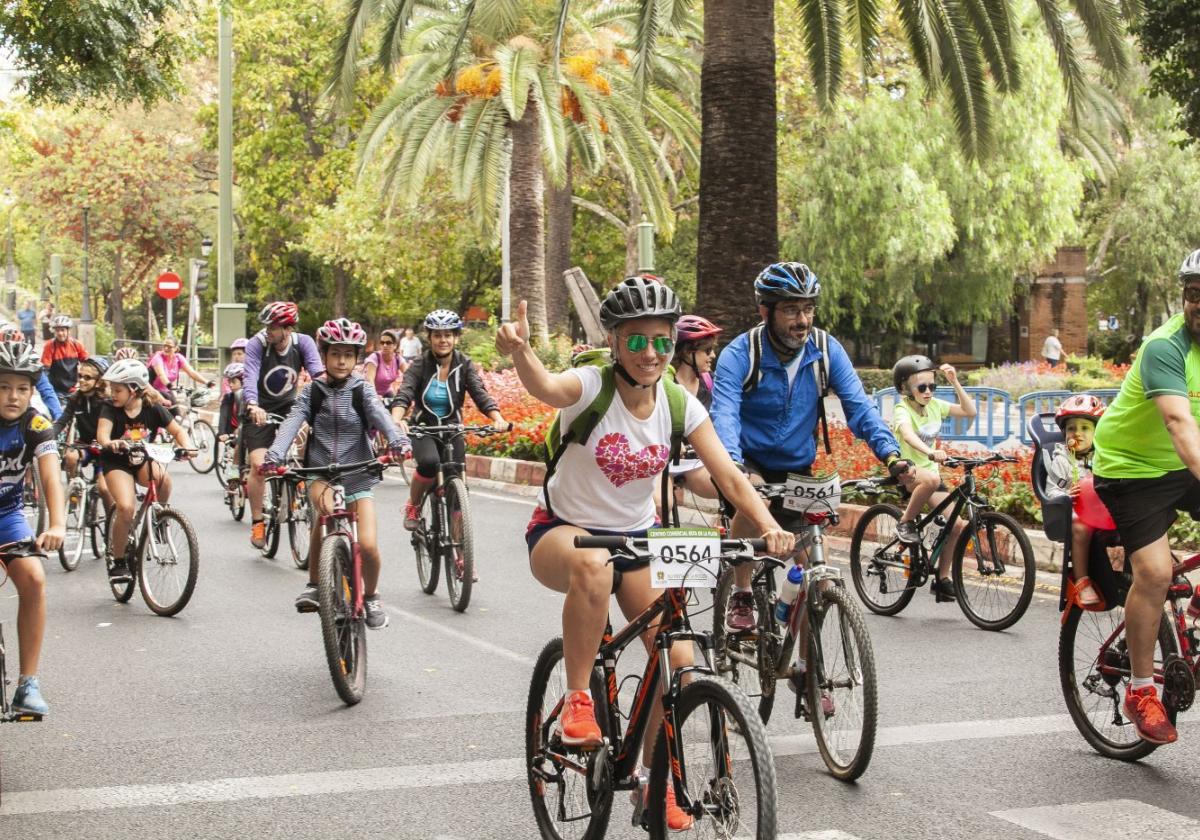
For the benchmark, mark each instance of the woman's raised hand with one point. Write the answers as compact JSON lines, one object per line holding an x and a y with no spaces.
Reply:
{"x":515,"y":334}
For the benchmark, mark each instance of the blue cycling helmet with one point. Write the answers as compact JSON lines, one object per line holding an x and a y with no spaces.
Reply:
{"x":443,"y":319}
{"x":100,"y":363}
{"x":785,"y":281}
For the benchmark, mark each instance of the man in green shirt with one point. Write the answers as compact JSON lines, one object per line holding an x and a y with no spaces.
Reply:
{"x":1147,"y":467}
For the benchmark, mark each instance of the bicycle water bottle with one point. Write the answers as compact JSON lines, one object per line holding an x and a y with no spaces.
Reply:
{"x":788,"y":593}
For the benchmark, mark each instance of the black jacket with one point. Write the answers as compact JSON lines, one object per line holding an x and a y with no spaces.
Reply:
{"x":83,"y":412}
{"x":464,"y":378}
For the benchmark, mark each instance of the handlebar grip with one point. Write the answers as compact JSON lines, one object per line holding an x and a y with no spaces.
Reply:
{"x":756,"y":543}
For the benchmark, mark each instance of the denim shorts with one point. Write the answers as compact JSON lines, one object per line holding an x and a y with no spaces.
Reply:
{"x":542,"y":523}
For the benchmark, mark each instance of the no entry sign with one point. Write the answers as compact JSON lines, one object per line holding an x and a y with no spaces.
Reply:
{"x":169,"y":285}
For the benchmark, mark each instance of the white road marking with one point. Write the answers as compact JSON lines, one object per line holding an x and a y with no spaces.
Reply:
{"x":1111,"y":819}
{"x":474,"y":641}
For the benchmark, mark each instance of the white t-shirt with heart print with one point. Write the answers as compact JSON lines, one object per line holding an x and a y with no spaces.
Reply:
{"x":611,"y":482}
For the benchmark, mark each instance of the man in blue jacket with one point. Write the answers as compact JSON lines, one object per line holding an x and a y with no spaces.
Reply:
{"x":767,"y":399}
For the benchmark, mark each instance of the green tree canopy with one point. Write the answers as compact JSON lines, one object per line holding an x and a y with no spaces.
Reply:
{"x":1169,"y":33}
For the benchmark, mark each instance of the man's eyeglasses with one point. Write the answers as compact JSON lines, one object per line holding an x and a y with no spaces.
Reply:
{"x":1192,"y":294}
{"x":663,"y":345}
{"x":925,"y":387}
{"x":795,"y":311}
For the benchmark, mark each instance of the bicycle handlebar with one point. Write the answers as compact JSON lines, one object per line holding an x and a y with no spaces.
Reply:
{"x":331,"y":470}
{"x":972,"y":463}
{"x":453,"y":427}
{"x":640,"y":544}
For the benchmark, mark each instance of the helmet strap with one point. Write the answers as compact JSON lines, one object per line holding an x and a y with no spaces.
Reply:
{"x":624,"y":374}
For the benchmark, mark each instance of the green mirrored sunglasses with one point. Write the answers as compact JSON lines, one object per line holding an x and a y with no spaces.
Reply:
{"x":663,"y":346}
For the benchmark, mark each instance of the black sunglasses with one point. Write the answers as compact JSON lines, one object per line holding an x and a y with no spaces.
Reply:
{"x":925,"y":387}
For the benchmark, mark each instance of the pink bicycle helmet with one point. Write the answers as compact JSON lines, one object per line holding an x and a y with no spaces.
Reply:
{"x":695,"y":328}
{"x":341,"y":331}
{"x":279,"y":313}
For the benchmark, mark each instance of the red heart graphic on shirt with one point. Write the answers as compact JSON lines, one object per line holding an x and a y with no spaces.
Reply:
{"x":621,"y":465}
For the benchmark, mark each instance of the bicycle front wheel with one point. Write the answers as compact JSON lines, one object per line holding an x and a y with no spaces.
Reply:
{"x":879,"y":562}
{"x":1094,"y":686}
{"x":204,"y":439}
{"x":746,"y":659}
{"x":994,"y":571}
{"x":344,"y":634}
{"x":272,"y":518}
{"x":460,"y":548}
{"x":169,"y":561}
{"x":97,"y":523}
{"x":841,"y":688}
{"x":423,"y":541}
{"x":726,"y":770}
{"x":72,"y":548}
{"x":299,"y":524}
{"x":565,"y":805}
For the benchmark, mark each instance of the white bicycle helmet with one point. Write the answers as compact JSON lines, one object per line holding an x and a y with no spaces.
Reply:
{"x":1191,"y":266}
{"x":61,"y":321}
{"x":129,"y":372}
{"x":20,"y":358}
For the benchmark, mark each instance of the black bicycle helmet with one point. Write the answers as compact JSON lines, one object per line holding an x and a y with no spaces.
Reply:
{"x":641,"y":296}
{"x":907,"y":366}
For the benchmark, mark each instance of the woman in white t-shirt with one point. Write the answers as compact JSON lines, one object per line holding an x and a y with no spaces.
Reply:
{"x":608,"y":485}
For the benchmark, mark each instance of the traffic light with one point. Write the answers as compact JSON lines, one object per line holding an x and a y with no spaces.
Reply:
{"x":202,"y":277}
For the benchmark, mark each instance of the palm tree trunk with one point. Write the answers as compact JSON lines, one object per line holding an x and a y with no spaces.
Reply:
{"x":738,"y":216}
{"x":560,"y":218}
{"x":527,"y":243}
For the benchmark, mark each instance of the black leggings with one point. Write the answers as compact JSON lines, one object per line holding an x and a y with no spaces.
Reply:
{"x":427,"y":454}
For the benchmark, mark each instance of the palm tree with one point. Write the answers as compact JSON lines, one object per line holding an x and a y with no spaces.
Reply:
{"x":493,"y":86}
{"x":961,"y":47}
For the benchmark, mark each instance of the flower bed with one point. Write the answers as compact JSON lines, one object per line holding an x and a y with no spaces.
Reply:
{"x":530,"y":417}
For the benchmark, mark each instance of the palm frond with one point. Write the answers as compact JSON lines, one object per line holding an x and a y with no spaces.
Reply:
{"x":468,"y":14}
{"x":470,"y":137}
{"x":823,"y":43}
{"x":863,"y":20}
{"x":554,"y":137}
{"x":992,"y":22}
{"x":917,"y":22}
{"x":585,"y":147}
{"x":679,"y":121}
{"x":396,"y":16}
{"x":415,"y":128}
{"x":412,"y":88}
{"x":359,"y":14}
{"x":1069,"y":64}
{"x":564,"y":14}
{"x":499,"y":19}
{"x":963,"y":73}
{"x":1105,"y":32}
{"x":654,"y":16}
{"x":518,"y":66}
{"x":493,"y":172}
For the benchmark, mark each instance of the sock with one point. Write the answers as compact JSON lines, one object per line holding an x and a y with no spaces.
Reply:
{"x":1141,"y":682}
{"x":801,"y":665}
{"x":586,"y":691}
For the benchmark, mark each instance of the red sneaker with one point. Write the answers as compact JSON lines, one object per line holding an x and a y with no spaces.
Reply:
{"x":677,"y":819}
{"x":578,"y":721}
{"x":412,"y":516}
{"x":1147,"y":713}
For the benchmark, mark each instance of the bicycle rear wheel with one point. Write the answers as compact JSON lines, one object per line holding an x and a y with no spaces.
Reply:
{"x":223,"y":455}
{"x":841,"y":688}
{"x":204,"y":439}
{"x":991,"y":598}
{"x":97,"y":523}
{"x":879,"y":562}
{"x":460,"y":548}
{"x":344,"y":635}
{"x":1095,"y":690}
{"x":72,"y":548}
{"x":726,"y":767}
{"x":423,"y":540}
{"x":299,"y":523}
{"x":564,"y":804}
{"x":747,"y":660}
{"x":168,"y":564}
{"x":237,"y":499}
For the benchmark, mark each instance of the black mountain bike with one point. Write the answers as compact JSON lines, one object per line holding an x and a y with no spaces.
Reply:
{"x":993,"y":567}
{"x":445,"y":535}
{"x":712,"y":747}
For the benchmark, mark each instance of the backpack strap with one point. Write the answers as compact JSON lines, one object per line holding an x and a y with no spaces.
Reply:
{"x":677,"y":403}
{"x":754,"y":345}
{"x":820,"y":369}
{"x":579,"y":430}
{"x":316,"y":400}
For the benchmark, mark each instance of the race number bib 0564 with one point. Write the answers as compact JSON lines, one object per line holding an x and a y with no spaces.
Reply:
{"x":687,"y":557}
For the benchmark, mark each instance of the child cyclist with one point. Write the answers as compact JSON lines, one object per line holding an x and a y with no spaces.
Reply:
{"x":342,"y":410}
{"x":600,"y":487}
{"x":24,"y":435}
{"x":135,"y":414}
{"x":1069,"y":463}
{"x":233,"y":403}
{"x":695,"y":352}
{"x":81,"y":417}
{"x":917,"y":421}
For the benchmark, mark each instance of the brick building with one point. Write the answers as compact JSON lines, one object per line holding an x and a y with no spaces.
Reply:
{"x":1057,"y":299}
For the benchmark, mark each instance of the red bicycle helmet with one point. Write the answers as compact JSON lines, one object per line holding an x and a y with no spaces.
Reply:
{"x":341,"y":331}
{"x":695,"y":328}
{"x":279,"y":313}
{"x":11,"y":333}
{"x":1079,"y":405}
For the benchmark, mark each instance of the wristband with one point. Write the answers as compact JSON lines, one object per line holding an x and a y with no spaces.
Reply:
{"x":891,"y":459}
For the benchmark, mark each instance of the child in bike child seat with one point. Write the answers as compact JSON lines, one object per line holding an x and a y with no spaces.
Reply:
{"x":24,"y":435}
{"x":341,"y":410}
{"x":1068,"y":464}
{"x":916,"y":421}
{"x":81,"y":416}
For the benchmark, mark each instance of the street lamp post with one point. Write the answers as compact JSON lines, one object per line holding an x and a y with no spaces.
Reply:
{"x":10,"y":268}
{"x":85,"y":312}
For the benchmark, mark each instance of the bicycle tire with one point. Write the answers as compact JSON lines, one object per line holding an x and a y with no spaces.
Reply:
{"x":460,"y":564}
{"x":1093,"y":709}
{"x":714,"y":693}
{"x":38,"y":499}
{"x":98,"y":524}
{"x":345,"y":637}
{"x":543,"y":698}
{"x":237,"y":501}
{"x":204,"y":439}
{"x":223,"y":456}
{"x":847,"y":760}
{"x":299,"y":524}
{"x":750,"y":680}
{"x":884,"y":579}
{"x":271,"y":546}
{"x":121,"y":591}
{"x":428,"y":566}
{"x":993,"y":589}
{"x":76,"y":509}
{"x":154,"y":573}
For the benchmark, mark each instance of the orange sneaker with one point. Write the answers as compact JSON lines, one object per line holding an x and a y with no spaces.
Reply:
{"x":1146,"y":712}
{"x":412,"y":516}
{"x":677,"y":819}
{"x":258,"y":534}
{"x":577,"y":723}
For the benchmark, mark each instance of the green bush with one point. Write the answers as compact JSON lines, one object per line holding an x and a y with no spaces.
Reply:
{"x":104,"y":338}
{"x":874,"y":379}
{"x":480,"y":344}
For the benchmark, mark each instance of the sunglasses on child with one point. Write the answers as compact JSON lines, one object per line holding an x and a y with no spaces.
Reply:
{"x":925,"y":387}
{"x":663,"y":346}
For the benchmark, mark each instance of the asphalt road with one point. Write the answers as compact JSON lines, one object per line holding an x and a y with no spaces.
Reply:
{"x":222,"y":722}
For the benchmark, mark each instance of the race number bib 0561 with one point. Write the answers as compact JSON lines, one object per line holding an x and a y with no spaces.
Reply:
{"x":813,"y":494}
{"x":687,"y":557}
